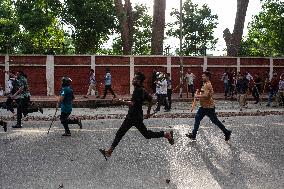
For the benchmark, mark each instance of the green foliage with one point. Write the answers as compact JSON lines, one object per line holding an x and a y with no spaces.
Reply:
{"x":92,"y":21}
{"x":266,"y":32}
{"x":198,"y":28}
{"x":142,"y":32}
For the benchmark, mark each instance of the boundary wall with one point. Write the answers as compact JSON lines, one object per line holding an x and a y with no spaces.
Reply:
{"x":45,"y":71}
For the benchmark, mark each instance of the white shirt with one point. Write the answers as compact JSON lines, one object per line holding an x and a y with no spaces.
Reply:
{"x":190,"y":78}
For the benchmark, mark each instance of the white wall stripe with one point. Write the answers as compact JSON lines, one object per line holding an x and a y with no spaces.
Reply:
{"x":131,"y":73}
{"x":50,"y":75}
{"x":6,"y":69}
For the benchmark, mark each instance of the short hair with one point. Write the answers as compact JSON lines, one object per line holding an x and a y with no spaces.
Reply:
{"x":207,"y":73}
{"x":140,"y":76}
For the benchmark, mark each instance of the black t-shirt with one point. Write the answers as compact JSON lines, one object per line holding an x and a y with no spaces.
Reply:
{"x":138,"y":97}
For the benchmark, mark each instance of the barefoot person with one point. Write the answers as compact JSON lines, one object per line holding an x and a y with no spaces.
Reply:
{"x":135,"y":117}
{"x":207,"y":108}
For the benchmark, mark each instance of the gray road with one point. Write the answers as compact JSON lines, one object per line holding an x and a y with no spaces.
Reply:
{"x":253,"y":158}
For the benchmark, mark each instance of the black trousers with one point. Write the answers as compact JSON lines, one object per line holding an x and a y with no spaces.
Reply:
{"x":65,"y":121}
{"x":23,"y":108}
{"x":162,"y":100}
{"x":256,"y":93}
{"x":108,"y":88}
{"x":9,"y":104}
{"x":169,"y":94}
{"x":127,"y":124}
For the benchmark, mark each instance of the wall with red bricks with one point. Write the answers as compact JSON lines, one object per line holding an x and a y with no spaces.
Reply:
{"x":77,"y":68}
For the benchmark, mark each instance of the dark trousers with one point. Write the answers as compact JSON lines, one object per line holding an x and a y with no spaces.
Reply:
{"x":127,"y":124}
{"x":169,"y":95}
{"x":23,"y":108}
{"x":210,"y":112}
{"x":162,"y":100}
{"x":255,"y":93}
{"x":65,"y":121}
{"x":108,"y":88}
{"x":9,"y":104}
{"x":191,"y":89}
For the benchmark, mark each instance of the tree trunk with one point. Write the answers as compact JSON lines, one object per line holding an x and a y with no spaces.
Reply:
{"x":158,"y":27}
{"x":125,"y":17}
{"x":233,"y":40}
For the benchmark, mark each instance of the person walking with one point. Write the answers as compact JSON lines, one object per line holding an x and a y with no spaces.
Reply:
{"x":242,"y":88}
{"x":256,"y":88}
{"x":65,"y":103}
{"x":161,"y":91}
{"x":135,"y":117}
{"x":190,"y":77}
{"x":207,"y":108}
{"x":225,"y":79}
{"x":169,"y":90}
{"x":108,"y":84}
{"x":92,"y":84}
{"x":273,"y":88}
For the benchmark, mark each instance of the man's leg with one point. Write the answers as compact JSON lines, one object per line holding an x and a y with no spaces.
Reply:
{"x":159,"y":102}
{"x":74,"y":121}
{"x":64,"y":121}
{"x":198,"y":117}
{"x":110,"y":89}
{"x":105,"y":91}
{"x":19,"y":113}
{"x":4,"y":124}
{"x":170,"y":98}
{"x":210,"y":112}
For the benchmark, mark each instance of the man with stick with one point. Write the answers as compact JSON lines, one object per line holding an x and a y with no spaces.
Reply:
{"x":135,"y":116}
{"x":207,"y":108}
{"x":65,"y":102}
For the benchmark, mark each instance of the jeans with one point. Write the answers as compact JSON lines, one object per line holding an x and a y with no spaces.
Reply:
{"x":271,"y":95}
{"x":210,"y":112}
{"x":226,"y":89}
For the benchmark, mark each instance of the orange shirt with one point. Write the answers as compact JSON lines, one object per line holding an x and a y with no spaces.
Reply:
{"x":207,"y":102}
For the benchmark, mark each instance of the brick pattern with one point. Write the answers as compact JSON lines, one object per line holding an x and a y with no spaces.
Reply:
{"x":77,"y":68}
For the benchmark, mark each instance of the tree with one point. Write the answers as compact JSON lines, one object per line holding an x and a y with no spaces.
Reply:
{"x":142,"y":23}
{"x":233,"y":40}
{"x":158,"y":27}
{"x":198,"y":28}
{"x":266,"y":31}
{"x":92,"y":21}
{"x":9,"y":27}
{"x":125,"y":17}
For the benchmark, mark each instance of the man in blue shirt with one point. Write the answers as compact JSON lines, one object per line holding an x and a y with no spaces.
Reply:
{"x":65,"y":103}
{"x":108,"y":84}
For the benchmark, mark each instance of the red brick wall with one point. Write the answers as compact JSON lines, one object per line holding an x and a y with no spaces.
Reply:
{"x":77,"y":68}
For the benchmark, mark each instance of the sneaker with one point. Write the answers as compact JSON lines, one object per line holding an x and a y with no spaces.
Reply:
{"x":17,"y":126}
{"x":66,"y":134}
{"x":80,"y":123}
{"x":190,"y":135}
{"x":228,"y":136}
{"x":171,"y":138}
{"x":5,"y":126}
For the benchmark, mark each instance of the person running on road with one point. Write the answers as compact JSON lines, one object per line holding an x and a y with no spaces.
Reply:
{"x":135,"y":116}
{"x":207,"y":108}
{"x":65,"y":103}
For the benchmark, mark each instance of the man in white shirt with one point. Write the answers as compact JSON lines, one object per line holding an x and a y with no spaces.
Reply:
{"x":161,"y":91}
{"x":190,"y":77}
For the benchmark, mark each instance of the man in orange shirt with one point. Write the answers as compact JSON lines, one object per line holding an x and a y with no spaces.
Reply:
{"x":207,"y":108}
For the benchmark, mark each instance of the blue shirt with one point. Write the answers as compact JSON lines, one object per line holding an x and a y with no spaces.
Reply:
{"x":66,"y":104}
{"x":108,"y":79}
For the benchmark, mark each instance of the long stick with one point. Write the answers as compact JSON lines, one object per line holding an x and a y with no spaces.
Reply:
{"x":53,"y":119}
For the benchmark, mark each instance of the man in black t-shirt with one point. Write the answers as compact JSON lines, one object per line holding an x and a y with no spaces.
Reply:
{"x":135,"y":116}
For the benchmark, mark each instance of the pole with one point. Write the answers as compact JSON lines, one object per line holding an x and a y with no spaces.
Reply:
{"x":181,"y":52}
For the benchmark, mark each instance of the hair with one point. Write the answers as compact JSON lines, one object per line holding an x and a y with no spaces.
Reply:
{"x":140,"y":76}
{"x":208,"y":74}
{"x":107,"y":69}
{"x":66,"y":81}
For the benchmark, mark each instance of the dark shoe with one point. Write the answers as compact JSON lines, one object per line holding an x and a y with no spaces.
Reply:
{"x":167,"y":110}
{"x":191,"y":136}
{"x":5,"y":126}
{"x":66,"y":134}
{"x":104,"y":153}
{"x":228,"y":135}
{"x":98,"y":96}
{"x":40,"y":110}
{"x":17,"y":126}
{"x":267,"y":104}
{"x":80,"y":123}
{"x":171,"y":138}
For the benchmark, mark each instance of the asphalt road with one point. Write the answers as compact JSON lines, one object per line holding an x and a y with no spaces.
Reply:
{"x":253,"y":158}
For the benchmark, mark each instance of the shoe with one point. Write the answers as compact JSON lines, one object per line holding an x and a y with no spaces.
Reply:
{"x":66,"y":134}
{"x":17,"y":126}
{"x":80,"y":123}
{"x":167,"y":110}
{"x":228,"y":135}
{"x":267,"y":104}
{"x":40,"y":110}
{"x":104,"y":153}
{"x":98,"y":96}
{"x":5,"y":126}
{"x":171,"y":139}
{"x":190,"y":135}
